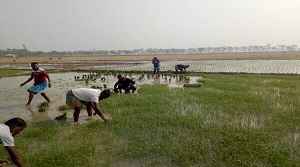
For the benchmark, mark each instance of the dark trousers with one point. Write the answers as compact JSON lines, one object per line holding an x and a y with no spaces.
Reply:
{"x":127,"y":88}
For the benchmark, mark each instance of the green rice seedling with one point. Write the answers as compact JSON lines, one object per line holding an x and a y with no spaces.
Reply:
{"x":63,"y":107}
{"x":44,"y":106}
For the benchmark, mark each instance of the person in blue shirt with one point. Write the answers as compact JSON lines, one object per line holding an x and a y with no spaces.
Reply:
{"x":156,"y":65}
{"x":181,"y":67}
{"x":124,"y":83}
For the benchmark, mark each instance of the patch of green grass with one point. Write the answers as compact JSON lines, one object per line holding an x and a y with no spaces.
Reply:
{"x":232,"y":120}
{"x":11,"y":72}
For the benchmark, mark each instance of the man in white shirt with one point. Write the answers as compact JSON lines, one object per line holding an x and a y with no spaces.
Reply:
{"x":7,"y":130}
{"x":78,"y":97}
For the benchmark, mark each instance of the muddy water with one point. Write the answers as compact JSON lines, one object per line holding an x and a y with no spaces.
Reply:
{"x":13,"y":97}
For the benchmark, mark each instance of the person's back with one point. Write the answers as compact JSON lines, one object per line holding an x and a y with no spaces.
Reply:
{"x":87,"y":94}
{"x":181,"y":68}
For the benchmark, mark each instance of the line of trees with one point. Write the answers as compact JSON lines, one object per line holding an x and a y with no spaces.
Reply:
{"x":155,"y":51}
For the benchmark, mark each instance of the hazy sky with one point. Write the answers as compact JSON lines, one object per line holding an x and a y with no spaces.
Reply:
{"x":70,"y":25}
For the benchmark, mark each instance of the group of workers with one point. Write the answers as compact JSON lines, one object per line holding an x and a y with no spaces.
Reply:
{"x":75,"y":98}
{"x":178,"y":67}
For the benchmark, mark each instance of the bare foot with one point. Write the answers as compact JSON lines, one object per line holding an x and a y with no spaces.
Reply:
{"x":27,"y":104}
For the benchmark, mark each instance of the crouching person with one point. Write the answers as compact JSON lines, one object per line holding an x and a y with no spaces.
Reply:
{"x":78,"y":97}
{"x":124,"y":83}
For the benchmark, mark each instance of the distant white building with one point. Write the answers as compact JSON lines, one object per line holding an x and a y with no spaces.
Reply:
{"x":10,"y":55}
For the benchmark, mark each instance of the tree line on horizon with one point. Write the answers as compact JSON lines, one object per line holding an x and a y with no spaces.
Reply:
{"x":154,"y":51}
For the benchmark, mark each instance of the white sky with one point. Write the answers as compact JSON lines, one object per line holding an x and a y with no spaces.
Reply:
{"x":70,"y":25}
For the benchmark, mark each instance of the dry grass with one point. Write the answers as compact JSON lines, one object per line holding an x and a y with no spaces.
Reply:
{"x":227,"y":56}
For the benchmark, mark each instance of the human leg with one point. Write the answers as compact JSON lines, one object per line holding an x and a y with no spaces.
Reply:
{"x":121,"y":87}
{"x":133,"y":88}
{"x":89,"y":110}
{"x":46,"y":97}
{"x":76,"y":114}
{"x":30,"y":98}
{"x":127,"y":90}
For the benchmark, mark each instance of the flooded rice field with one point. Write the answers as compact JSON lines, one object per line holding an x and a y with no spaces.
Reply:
{"x":13,"y":97}
{"x":207,"y":66}
{"x":226,"y":66}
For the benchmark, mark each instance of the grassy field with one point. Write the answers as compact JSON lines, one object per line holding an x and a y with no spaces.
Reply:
{"x":233,"y":120}
{"x":11,"y":72}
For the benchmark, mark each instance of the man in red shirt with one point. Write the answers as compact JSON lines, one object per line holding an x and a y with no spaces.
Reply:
{"x":41,"y":82}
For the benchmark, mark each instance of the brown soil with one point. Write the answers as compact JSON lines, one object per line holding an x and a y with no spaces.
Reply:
{"x":227,"y":56}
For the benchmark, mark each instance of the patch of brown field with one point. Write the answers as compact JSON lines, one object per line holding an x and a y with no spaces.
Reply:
{"x":225,"y":56}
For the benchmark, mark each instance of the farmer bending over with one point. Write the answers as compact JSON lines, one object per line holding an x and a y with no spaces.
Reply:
{"x":76,"y":98}
{"x":182,"y":68}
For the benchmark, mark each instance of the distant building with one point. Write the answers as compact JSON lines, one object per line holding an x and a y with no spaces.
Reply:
{"x":10,"y":55}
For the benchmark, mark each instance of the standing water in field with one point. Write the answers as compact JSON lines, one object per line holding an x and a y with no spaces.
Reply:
{"x":13,"y":97}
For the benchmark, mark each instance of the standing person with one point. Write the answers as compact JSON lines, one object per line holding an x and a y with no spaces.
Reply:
{"x":41,"y":81}
{"x":78,"y":97}
{"x":156,"y":65}
{"x":124,"y":83}
{"x":181,"y":67}
{"x":7,"y":131}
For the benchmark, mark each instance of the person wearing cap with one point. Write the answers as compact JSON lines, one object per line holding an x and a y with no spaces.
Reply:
{"x":124,"y":83}
{"x":8,"y":130}
{"x":181,"y":67}
{"x":156,"y":65}
{"x":78,"y":97}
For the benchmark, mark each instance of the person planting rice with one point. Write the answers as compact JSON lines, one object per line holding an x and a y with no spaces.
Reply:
{"x":78,"y":97}
{"x":41,"y":82}
{"x":124,"y":83}
{"x":181,"y":67}
{"x":7,"y":132}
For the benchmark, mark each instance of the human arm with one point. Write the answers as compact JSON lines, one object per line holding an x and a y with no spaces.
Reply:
{"x":116,"y":84}
{"x":28,"y":80}
{"x":15,"y":157}
{"x":97,"y":110}
{"x":48,"y":78}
